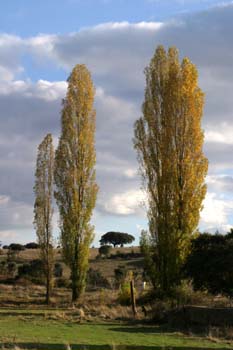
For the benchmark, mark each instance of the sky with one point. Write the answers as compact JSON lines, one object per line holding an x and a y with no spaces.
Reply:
{"x":40,"y":42}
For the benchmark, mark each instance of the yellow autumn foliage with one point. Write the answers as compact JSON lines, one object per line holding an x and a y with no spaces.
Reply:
{"x":76,"y":188}
{"x":169,"y":141}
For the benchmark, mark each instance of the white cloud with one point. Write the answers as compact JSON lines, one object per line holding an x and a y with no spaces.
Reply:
{"x":48,"y":90}
{"x":216,"y":212}
{"x":4,"y":199}
{"x":131,"y":173}
{"x":125,"y":25}
{"x":11,"y":48}
{"x":41,"y":89}
{"x":126,"y":203}
{"x":8,"y":236}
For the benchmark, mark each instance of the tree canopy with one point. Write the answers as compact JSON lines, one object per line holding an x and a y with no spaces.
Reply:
{"x":116,"y":238}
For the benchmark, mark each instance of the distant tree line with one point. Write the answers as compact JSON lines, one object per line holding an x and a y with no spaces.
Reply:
{"x":19,"y":247}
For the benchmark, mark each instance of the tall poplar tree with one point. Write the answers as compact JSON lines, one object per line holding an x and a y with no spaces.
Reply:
{"x":169,"y":140}
{"x":43,"y":210}
{"x":76,"y":187}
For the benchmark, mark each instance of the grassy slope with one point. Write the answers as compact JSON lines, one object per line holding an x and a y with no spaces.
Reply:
{"x":106,"y":266}
{"x":51,"y":333}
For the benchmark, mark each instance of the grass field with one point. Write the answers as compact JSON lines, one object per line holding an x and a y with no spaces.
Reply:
{"x":55,"y":329}
{"x":98,"y":322}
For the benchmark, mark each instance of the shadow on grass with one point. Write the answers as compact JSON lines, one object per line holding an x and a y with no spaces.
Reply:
{"x":142,"y":329}
{"x":37,"y":301}
{"x":39,"y":346}
{"x":134,"y":262}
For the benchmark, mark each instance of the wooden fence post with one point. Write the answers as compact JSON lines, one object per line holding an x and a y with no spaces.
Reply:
{"x":133,"y":300}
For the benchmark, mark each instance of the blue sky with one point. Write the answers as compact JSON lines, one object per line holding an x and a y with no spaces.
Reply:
{"x":26,"y":17}
{"x":40,"y":42}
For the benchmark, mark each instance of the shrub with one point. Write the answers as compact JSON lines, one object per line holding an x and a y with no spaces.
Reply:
{"x":3,"y":268}
{"x":96,"y":279}
{"x":120,"y":275}
{"x":210,"y":263}
{"x":62,"y":282}
{"x":12,"y":255}
{"x":105,"y":250}
{"x":58,"y":270}
{"x":125,"y":255}
{"x":11,"y":268}
{"x":124,"y":295}
{"x":34,"y":271}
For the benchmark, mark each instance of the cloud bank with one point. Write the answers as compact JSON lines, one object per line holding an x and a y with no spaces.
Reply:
{"x":116,"y":54}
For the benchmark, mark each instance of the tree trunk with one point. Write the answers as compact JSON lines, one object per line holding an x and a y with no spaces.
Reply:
{"x":76,"y":292}
{"x":75,"y":285}
{"x":48,"y":288}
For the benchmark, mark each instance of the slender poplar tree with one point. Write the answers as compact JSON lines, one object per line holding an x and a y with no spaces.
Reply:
{"x":169,"y":141}
{"x":43,"y":209}
{"x":76,"y":187}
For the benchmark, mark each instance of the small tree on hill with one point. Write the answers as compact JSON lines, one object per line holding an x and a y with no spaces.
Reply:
{"x":116,"y":238}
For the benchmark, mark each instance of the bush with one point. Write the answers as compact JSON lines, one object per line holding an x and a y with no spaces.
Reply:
{"x":123,"y":255}
{"x":105,"y":250}
{"x":3,"y":268}
{"x":11,"y":268}
{"x":210,"y":263}
{"x":96,"y":279}
{"x":124,"y":295}
{"x":12,"y":255}
{"x":58,"y":270}
{"x":5,"y":247}
{"x":120,"y":275}
{"x":32,"y":245}
{"x":8,"y":269}
{"x":62,"y":282}
{"x":34,"y":271}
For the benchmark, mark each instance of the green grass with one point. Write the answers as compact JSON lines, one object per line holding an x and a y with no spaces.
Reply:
{"x":29,"y":329}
